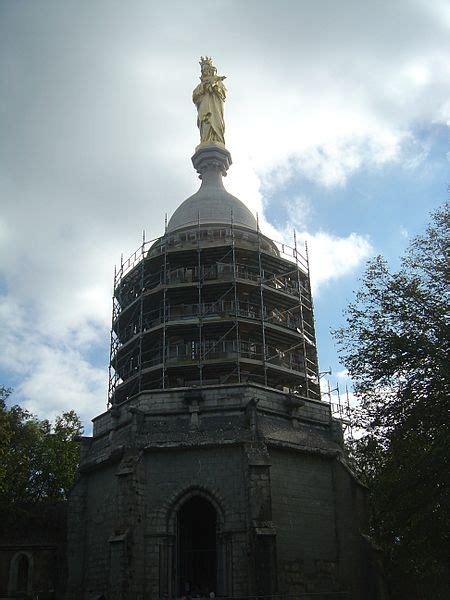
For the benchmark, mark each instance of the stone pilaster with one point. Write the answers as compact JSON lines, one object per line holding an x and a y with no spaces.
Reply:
{"x":263,"y":533}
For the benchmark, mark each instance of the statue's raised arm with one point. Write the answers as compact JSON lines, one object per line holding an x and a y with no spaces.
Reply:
{"x":209,"y":97}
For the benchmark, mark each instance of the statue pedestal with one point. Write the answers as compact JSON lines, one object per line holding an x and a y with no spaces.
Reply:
{"x":211,"y":157}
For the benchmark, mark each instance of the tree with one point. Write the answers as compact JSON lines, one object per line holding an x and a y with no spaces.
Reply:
{"x":395,"y":346}
{"x":38,"y":459}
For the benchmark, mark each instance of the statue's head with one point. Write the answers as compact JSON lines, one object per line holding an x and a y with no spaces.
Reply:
{"x":207,"y":66}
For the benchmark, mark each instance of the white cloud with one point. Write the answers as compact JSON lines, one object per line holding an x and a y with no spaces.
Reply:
{"x":56,"y":373}
{"x":98,"y":127}
{"x":331,"y":257}
{"x":403,"y":232}
{"x":62,"y":379}
{"x":342,"y":374}
{"x":298,"y":210}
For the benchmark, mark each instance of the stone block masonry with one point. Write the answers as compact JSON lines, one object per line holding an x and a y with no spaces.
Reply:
{"x":287,"y":511}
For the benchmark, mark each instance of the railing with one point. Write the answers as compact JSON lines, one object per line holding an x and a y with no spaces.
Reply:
{"x":200,"y":237}
{"x":127,"y":292}
{"x":209,"y":310}
{"x":297,"y":596}
{"x":213,"y":349}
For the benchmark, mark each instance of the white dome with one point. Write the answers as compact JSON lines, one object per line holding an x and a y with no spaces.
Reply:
{"x":214,"y":205}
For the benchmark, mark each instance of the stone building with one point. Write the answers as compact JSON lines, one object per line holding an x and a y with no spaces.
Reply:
{"x":216,"y":467}
{"x":33,"y":551}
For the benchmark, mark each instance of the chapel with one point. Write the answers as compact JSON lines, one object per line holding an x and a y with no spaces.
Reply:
{"x":216,"y":470}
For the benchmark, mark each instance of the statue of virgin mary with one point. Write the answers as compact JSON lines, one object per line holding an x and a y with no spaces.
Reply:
{"x":209,"y":97}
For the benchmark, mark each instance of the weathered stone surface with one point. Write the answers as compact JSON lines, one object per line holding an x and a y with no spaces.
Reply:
{"x":289,"y":513}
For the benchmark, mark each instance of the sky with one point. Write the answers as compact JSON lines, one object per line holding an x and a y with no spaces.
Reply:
{"x":337,"y":120}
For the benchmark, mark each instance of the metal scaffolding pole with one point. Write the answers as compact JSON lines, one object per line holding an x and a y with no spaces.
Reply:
{"x":164,"y":240}
{"x":316,"y":361}
{"x":199,"y":300}
{"x":111,"y":386}
{"x":302,"y":324}
{"x":236,"y":308}
{"x":261,"y":300}
{"x":141,"y":312}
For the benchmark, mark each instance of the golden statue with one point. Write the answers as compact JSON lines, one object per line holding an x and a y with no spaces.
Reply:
{"x":209,"y":97}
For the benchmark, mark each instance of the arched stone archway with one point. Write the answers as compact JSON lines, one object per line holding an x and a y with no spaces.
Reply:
{"x":20,"y":573}
{"x":195,"y":524}
{"x":197,"y":547}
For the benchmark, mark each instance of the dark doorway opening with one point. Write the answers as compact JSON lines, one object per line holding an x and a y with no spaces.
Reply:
{"x":197,"y":547}
{"x":23,"y":572}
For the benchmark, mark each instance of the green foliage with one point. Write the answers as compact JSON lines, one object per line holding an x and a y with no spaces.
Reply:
{"x":38,"y":460}
{"x":396,"y":348}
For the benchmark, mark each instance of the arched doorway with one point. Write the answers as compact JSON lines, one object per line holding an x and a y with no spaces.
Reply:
{"x":20,"y":574}
{"x":23,"y":568}
{"x":197,"y":547}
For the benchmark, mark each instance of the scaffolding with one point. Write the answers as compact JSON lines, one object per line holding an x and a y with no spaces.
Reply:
{"x":213,"y":305}
{"x":340,"y":408}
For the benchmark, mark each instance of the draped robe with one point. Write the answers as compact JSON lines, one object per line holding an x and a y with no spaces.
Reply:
{"x":209,"y":97}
